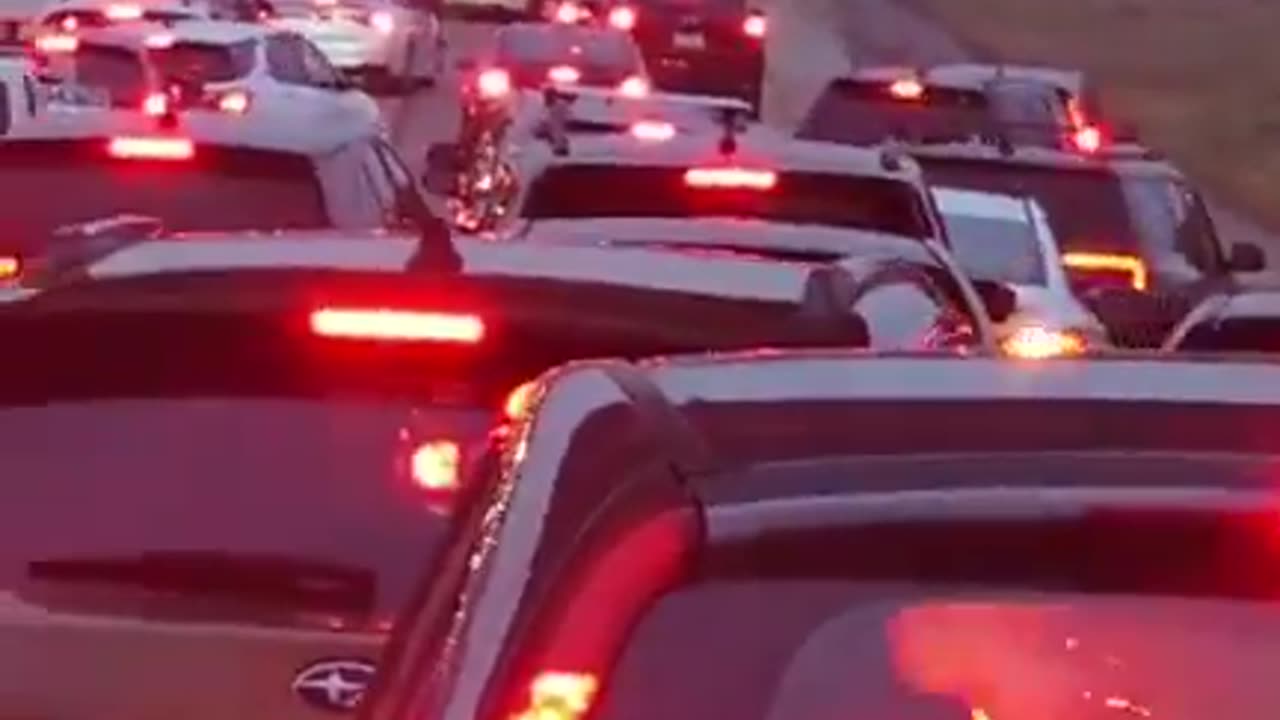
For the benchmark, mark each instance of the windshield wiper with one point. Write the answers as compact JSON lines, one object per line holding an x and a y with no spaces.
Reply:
{"x":278,"y":580}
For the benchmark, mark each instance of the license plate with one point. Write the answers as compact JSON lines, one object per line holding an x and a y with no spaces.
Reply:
{"x":689,"y":41}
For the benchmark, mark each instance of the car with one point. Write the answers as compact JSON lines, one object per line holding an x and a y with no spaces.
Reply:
{"x":71,"y":175}
{"x":229,"y":67}
{"x":22,"y":99}
{"x":272,"y":426}
{"x":1022,"y":105}
{"x":1007,"y":238}
{"x":795,"y":534}
{"x":393,"y":45}
{"x":707,"y":48}
{"x":1245,"y":320}
{"x":530,"y":56}
{"x":55,"y":30}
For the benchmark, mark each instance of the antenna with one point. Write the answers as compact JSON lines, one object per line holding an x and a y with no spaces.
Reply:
{"x":729,"y":125}
{"x":557,"y":125}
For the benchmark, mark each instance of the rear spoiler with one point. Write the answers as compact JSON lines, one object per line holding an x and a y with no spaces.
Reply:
{"x":565,"y":106}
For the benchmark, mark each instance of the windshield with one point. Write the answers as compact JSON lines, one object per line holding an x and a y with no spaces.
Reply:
{"x":117,"y":71}
{"x":865,"y":113}
{"x":609,"y":191}
{"x":267,"y":189}
{"x":549,"y":45}
{"x":992,"y":236}
{"x":206,"y":62}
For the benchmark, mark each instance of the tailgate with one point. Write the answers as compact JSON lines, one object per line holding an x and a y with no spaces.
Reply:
{"x":101,"y":667}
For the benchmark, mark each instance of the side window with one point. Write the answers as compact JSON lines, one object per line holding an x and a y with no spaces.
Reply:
{"x":317,"y":68}
{"x":375,"y":172}
{"x":900,"y":314}
{"x":284,"y":60}
{"x":1175,"y":225}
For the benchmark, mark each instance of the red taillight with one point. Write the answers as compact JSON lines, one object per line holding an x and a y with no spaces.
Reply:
{"x":1033,"y":342}
{"x":123,"y":12}
{"x":555,"y":695}
{"x":383,"y":22}
{"x":10,"y":267}
{"x":1131,"y":268}
{"x":1087,"y":139}
{"x":622,"y":17}
{"x":436,"y":466}
{"x":57,"y":44}
{"x":69,"y":24}
{"x":401,"y":325}
{"x":729,"y":177}
{"x":907,"y":89}
{"x":146,"y":148}
{"x":653,"y":131}
{"x":564,"y":75}
{"x":634,"y":86}
{"x":155,"y":105}
{"x":159,"y":41}
{"x":517,"y":403}
{"x":234,"y":102}
{"x":755,"y":26}
{"x":493,"y":83}
{"x":568,"y":13}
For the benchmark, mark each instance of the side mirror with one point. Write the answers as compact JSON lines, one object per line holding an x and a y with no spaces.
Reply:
{"x":442,"y":166}
{"x":1246,"y":258}
{"x":1000,"y":299}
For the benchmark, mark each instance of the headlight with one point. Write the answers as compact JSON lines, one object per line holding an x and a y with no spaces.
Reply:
{"x":1033,"y":342}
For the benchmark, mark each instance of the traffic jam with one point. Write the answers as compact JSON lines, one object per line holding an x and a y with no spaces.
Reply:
{"x":494,"y":361}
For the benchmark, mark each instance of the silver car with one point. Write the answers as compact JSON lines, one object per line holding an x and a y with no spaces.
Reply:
{"x":389,"y":44}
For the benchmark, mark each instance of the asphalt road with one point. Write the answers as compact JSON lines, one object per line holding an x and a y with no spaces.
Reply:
{"x":809,"y":41}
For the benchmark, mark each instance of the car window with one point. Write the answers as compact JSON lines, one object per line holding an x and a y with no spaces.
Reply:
{"x":1176,"y":226}
{"x":117,"y":71}
{"x":320,"y":73}
{"x":899,"y":315}
{"x":607,"y":191}
{"x":267,"y":189}
{"x":865,"y":113}
{"x":206,"y":62}
{"x":992,"y":237}
{"x":285,"y":61}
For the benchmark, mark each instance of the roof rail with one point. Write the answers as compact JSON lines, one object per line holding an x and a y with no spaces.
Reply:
{"x":688,"y":451}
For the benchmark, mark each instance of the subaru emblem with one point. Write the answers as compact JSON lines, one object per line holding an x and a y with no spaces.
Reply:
{"x":334,"y":685}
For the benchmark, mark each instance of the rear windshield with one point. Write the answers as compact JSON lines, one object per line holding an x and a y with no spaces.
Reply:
{"x":117,"y":71}
{"x":551,"y":44}
{"x":206,"y":62}
{"x":51,"y":184}
{"x":608,"y":191}
{"x":987,"y":241}
{"x":1096,"y":210}
{"x":1235,"y":335}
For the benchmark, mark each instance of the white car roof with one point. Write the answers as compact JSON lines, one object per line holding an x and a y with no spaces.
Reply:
{"x":597,"y":105}
{"x":195,"y":9}
{"x":759,"y":145}
{"x":211,"y":32}
{"x":261,"y":132}
{"x":389,"y":253}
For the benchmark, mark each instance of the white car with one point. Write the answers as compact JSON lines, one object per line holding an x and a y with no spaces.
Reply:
{"x":21,"y":97}
{"x":391,"y":44}
{"x":654,"y":116}
{"x":233,"y":68}
{"x":1000,"y":237}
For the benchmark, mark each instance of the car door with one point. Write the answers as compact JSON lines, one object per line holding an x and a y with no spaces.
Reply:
{"x":905,"y":311}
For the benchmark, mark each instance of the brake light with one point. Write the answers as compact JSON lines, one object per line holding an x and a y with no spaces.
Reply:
{"x":57,"y":44}
{"x":143,"y":148}
{"x":155,"y":105}
{"x":388,"y":324}
{"x":517,"y":402}
{"x":493,"y":83}
{"x":907,"y":89}
{"x":159,"y":41}
{"x":653,"y":131}
{"x":436,"y":466}
{"x":1033,"y":342}
{"x":622,"y":17}
{"x":634,"y":86}
{"x":564,"y":74}
{"x":1132,"y":267}
{"x":755,"y":26}
{"x":235,"y":102}
{"x":383,"y":22}
{"x":10,"y":267}
{"x":568,"y":13}
{"x":559,"y":696}
{"x":69,"y":24}
{"x":1087,"y":139}
{"x":728,"y":177}
{"x":123,"y":12}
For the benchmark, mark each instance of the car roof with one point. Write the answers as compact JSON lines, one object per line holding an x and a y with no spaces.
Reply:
{"x":261,"y":132}
{"x":760,"y":145}
{"x":545,"y":29}
{"x":195,"y":8}
{"x":213,"y":32}
{"x":608,"y":105}
{"x":1137,"y":163}
{"x":974,"y":76}
{"x":393,"y":254}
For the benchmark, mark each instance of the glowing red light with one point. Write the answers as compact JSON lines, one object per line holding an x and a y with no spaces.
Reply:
{"x":159,"y":41}
{"x":148,"y":148}
{"x":564,"y":74}
{"x":155,"y":105}
{"x":57,"y":44}
{"x":622,"y":17}
{"x":729,"y":177}
{"x":436,"y":466}
{"x":559,"y":695}
{"x":634,"y":86}
{"x":1130,"y":265}
{"x":383,"y":22}
{"x":403,"y":325}
{"x":907,"y":89}
{"x":1088,"y":139}
{"x":755,"y":26}
{"x":568,"y":13}
{"x":10,"y":267}
{"x":235,"y":102}
{"x":493,"y":83}
{"x":123,"y":12}
{"x":653,"y":131}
